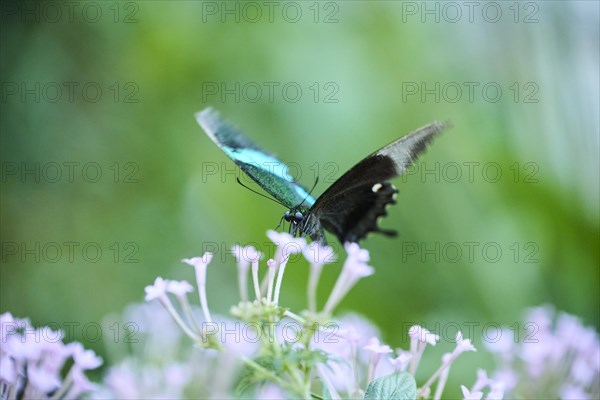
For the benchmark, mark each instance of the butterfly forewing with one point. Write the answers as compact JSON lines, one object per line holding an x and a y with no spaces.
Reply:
{"x":351,"y":206}
{"x":265,"y":169}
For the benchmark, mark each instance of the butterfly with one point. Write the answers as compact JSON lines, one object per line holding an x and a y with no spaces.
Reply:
{"x":351,"y":207}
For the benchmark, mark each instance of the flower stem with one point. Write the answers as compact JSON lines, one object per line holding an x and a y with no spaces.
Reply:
{"x":175,"y":315}
{"x":255,"y":280}
{"x":189,"y":314}
{"x":311,"y":290}
{"x":270,"y":284}
{"x":441,"y":384}
{"x":436,"y":374}
{"x":243,"y":283}
{"x":279,"y":281}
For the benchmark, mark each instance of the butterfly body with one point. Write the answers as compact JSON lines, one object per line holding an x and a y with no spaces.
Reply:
{"x":351,"y":207}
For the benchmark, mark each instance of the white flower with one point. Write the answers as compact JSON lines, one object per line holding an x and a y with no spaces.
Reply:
{"x":423,"y":335}
{"x":357,"y":270}
{"x":240,"y":256}
{"x":84,"y":359}
{"x":376,"y":347}
{"x":317,"y":254}
{"x":496,"y":392}
{"x":343,"y":338}
{"x":156,"y":291}
{"x":508,"y":377}
{"x":179,"y":288}
{"x":541,"y":317}
{"x":468,"y":395}
{"x":54,"y":352}
{"x":286,"y":244}
{"x":246,"y":255}
{"x":583,"y":372}
{"x":177,"y":375}
{"x":353,"y":270}
{"x":570,"y":392}
{"x":24,"y":349}
{"x":463,"y":345}
{"x":8,"y":370}
{"x":8,"y":326}
{"x":200,"y":264}
{"x":482,"y":380}
{"x":504,"y":345}
{"x":401,"y":362}
{"x":354,"y":251}
{"x":284,"y":238}
{"x":123,"y":380}
{"x":6,"y":318}
{"x":377,"y":350}
{"x":42,"y":380}
{"x":81,"y":384}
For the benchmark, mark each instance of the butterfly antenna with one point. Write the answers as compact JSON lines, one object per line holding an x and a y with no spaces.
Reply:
{"x":311,"y":190}
{"x":279,"y":224}
{"x":258,"y":193}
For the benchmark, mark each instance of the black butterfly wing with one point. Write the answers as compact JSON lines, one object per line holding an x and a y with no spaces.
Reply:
{"x":264,"y":168}
{"x":350,"y":208}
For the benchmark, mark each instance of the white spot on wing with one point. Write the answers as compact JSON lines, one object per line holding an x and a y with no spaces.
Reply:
{"x":376,"y":187}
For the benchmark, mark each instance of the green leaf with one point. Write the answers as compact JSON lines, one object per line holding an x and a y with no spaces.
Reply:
{"x":399,"y":385}
{"x":250,"y":376}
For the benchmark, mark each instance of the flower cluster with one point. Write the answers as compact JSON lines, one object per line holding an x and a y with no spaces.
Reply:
{"x":359,"y":359}
{"x":281,"y":352}
{"x":557,"y":357}
{"x":156,"y":360}
{"x":264,"y":350}
{"x":32,"y":361}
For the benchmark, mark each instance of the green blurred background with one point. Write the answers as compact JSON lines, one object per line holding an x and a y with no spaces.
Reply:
{"x":364,"y":69}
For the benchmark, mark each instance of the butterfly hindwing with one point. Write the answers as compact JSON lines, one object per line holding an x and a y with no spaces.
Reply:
{"x":265,"y":169}
{"x":351,"y":224}
{"x":351,"y":206}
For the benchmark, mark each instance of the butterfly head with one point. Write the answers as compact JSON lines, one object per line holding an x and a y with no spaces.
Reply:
{"x":303,"y":223}
{"x":293,"y":217}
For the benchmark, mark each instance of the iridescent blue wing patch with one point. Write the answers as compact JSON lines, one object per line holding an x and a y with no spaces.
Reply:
{"x":264,"y":168}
